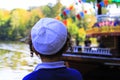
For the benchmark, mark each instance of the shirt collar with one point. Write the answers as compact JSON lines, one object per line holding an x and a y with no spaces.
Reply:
{"x":50,"y":65}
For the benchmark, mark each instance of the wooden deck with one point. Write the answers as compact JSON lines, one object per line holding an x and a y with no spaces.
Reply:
{"x":94,"y":67}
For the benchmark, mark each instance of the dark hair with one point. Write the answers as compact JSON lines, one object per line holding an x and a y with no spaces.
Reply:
{"x":59,"y":53}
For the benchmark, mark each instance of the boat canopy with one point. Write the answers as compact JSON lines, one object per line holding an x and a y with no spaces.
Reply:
{"x":106,"y":25}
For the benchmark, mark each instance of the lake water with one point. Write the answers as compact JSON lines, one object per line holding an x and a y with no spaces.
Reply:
{"x":15,"y":61}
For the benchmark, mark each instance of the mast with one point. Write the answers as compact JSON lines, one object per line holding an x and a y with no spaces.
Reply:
{"x":99,"y":9}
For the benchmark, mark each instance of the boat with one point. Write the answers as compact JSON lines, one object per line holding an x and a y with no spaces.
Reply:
{"x":96,"y":63}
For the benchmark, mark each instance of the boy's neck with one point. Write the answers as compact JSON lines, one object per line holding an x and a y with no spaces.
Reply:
{"x":44,"y":59}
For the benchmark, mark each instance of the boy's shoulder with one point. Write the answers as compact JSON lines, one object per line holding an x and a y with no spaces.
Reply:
{"x":46,"y":73}
{"x":74,"y":71}
{"x":31,"y":76}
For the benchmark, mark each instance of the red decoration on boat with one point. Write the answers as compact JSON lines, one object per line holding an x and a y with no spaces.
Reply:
{"x":78,"y":16}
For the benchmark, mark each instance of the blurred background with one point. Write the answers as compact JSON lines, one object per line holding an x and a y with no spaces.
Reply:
{"x":18,"y":17}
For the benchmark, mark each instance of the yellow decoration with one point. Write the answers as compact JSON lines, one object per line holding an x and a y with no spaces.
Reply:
{"x":105,"y":29}
{"x":69,"y":20}
{"x":58,"y":18}
{"x":81,"y":32}
{"x":91,"y":20}
{"x":71,"y":7}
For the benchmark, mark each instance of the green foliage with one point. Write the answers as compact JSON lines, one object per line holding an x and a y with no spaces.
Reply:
{"x":90,"y":0}
{"x":52,"y":11}
{"x":73,"y":29}
{"x":4,"y":16}
{"x":48,"y":11}
{"x":56,"y":9}
{"x":16,"y":24}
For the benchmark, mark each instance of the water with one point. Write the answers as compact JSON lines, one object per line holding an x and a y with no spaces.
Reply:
{"x":15,"y":61}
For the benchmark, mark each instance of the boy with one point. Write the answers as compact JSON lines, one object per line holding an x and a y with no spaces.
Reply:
{"x":48,"y":40}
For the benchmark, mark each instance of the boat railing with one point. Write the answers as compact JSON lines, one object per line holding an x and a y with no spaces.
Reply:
{"x":92,"y":50}
{"x":96,"y":50}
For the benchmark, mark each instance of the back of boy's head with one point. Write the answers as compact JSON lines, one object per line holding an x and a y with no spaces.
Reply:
{"x":48,"y":36}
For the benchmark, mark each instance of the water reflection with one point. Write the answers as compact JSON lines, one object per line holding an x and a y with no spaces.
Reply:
{"x":15,"y":61}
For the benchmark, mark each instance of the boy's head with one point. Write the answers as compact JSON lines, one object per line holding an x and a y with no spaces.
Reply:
{"x":48,"y":36}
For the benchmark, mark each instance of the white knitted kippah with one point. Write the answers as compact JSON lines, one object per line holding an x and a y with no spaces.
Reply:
{"x":48,"y":36}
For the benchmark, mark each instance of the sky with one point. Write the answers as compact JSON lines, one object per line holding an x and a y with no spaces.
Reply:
{"x":25,"y":4}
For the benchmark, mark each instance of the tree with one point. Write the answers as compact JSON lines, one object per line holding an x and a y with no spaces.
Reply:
{"x":56,"y":9}
{"x":18,"y":21}
{"x":4,"y":28}
{"x":52,"y":10}
{"x":35,"y":15}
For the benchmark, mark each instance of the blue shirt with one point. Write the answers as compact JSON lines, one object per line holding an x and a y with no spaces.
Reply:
{"x":53,"y":71}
